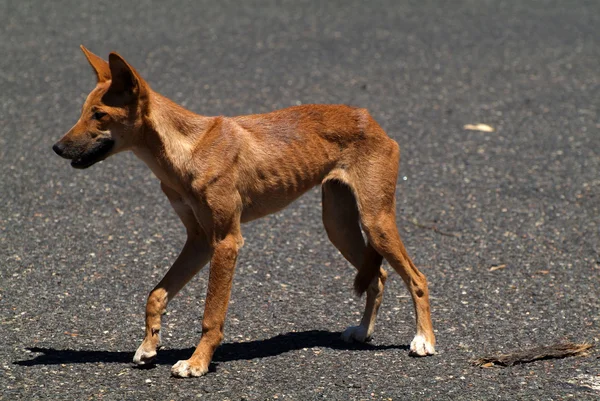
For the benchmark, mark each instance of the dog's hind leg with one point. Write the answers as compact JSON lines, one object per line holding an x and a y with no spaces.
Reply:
{"x":341,"y":220}
{"x":374,"y":186}
{"x":195,"y":254}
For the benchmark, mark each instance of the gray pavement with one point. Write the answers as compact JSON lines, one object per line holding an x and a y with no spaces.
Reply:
{"x":513,"y":261}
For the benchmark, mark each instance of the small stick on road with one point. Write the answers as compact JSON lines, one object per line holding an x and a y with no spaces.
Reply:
{"x":555,"y":351}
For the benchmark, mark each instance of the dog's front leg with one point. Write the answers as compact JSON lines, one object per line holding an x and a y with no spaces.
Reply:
{"x":193,"y":257}
{"x":222,"y":266}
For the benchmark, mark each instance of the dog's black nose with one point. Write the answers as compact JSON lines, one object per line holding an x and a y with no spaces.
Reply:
{"x":58,"y":149}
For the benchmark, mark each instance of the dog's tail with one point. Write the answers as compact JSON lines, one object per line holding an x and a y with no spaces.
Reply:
{"x":367,"y":273}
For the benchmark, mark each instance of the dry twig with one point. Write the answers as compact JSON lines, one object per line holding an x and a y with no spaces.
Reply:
{"x":555,"y":351}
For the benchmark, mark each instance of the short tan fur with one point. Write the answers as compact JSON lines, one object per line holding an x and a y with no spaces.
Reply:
{"x":219,"y":172}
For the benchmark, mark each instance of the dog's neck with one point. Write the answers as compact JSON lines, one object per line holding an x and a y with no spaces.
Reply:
{"x":169,"y":134}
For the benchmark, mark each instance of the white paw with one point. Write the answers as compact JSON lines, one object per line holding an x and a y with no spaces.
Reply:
{"x":143,"y":357}
{"x":421,"y":347}
{"x":184,"y":369}
{"x":356,"y":333}
{"x":145,"y":354}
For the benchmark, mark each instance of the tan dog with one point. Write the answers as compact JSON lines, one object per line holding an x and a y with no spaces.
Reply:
{"x":219,"y":172}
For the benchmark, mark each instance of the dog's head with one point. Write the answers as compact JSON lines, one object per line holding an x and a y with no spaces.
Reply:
{"x":111,"y":117}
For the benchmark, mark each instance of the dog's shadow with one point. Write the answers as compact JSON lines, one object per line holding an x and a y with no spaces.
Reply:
{"x":226,"y":352}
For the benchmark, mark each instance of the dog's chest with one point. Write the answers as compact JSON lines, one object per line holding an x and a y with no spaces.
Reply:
{"x":163,"y":172}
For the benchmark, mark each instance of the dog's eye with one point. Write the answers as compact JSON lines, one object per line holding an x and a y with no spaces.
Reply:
{"x":98,"y":115}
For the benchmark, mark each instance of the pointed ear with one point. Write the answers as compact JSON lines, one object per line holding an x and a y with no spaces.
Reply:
{"x":124,"y":77}
{"x":100,"y":66}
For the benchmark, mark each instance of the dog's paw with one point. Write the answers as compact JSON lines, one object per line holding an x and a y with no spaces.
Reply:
{"x":188,"y":369}
{"x":356,"y":333}
{"x":146,"y":352}
{"x":420,"y":346}
{"x":143,"y":356}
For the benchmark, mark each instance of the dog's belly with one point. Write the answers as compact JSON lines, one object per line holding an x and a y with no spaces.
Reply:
{"x":262,"y":203}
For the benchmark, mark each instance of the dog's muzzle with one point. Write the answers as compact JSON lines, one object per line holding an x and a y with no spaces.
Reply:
{"x":85,"y":157}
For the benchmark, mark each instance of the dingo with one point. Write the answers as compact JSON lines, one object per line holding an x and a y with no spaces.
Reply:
{"x":219,"y":172}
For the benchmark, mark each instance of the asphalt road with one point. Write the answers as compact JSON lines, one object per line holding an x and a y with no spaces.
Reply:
{"x":505,"y":224}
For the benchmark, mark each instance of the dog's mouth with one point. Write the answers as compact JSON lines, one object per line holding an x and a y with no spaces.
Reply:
{"x":98,"y":152}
